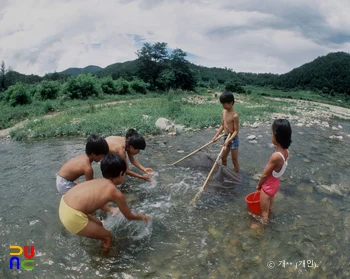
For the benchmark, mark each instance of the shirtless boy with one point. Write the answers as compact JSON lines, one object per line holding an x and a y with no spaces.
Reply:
{"x":230,"y":124}
{"x":78,"y":204}
{"x":96,"y":147}
{"x":130,"y":146}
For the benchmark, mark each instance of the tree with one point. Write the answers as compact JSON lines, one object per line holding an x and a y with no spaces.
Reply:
{"x":2,"y":75}
{"x":184,"y":77}
{"x":152,"y":61}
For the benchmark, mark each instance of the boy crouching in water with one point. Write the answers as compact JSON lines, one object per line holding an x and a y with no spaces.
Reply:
{"x":81,"y":201}
{"x":96,"y":147}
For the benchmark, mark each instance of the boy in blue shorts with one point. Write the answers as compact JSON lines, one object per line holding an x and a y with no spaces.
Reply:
{"x":230,"y":124}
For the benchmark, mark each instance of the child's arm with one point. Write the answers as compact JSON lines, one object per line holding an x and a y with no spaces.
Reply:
{"x":138,"y":165}
{"x":119,"y":198}
{"x":89,"y":173}
{"x":134,"y":174}
{"x":273,"y":161}
{"x":221,"y":128}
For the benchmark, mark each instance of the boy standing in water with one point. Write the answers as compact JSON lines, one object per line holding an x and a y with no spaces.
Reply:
{"x":80,"y":202}
{"x":130,"y":145}
{"x":96,"y":147}
{"x":230,"y":124}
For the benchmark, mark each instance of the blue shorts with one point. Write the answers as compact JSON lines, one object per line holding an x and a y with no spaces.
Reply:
{"x":234,"y":144}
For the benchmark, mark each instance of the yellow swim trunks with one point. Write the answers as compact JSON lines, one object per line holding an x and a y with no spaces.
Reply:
{"x":73,"y":220}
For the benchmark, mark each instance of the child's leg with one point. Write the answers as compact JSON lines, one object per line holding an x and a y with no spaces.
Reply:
{"x":94,"y":219}
{"x":224,"y":155}
{"x":271,"y":204}
{"x":234,"y":154}
{"x":265,"y":201}
{"x":94,"y":230}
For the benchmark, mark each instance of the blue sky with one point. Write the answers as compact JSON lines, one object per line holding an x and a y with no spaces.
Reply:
{"x":41,"y":36}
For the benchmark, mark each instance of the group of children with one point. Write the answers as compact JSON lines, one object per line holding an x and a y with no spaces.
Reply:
{"x":281,"y":138}
{"x":80,"y":200}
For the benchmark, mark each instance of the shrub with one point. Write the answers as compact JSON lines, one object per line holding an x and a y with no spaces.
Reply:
{"x":82,"y":87}
{"x":47,"y":90}
{"x":108,"y":85}
{"x":234,"y":86}
{"x":17,"y":95}
{"x":122,"y":86}
{"x":139,"y":86}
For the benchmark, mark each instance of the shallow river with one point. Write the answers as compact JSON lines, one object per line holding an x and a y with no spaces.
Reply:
{"x":212,"y":239}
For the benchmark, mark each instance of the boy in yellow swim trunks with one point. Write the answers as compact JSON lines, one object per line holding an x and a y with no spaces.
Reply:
{"x":81,"y":201}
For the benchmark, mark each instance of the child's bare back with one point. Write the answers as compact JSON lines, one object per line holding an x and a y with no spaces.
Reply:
{"x":77,"y":167}
{"x":92,"y":195}
{"x":96,"y":147}
{"x":117,"y":145}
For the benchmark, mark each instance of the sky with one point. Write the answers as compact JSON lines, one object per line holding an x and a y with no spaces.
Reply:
{"x":260,"y":36}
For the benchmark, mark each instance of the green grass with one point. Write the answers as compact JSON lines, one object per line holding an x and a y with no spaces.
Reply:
{"x":81,"y":118}
{"x":338,"y":100}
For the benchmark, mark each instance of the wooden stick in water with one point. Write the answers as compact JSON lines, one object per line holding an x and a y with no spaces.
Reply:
{"x":210,"y":173}
{"x":199,"y":149}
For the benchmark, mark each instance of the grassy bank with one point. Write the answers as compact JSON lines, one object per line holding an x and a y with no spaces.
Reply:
{"x":142,"y":114}
{"x":342,"y":100}
{"x":81,"y":118}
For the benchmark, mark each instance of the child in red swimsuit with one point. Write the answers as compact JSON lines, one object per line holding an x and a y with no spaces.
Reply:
{"x":270,"y":179}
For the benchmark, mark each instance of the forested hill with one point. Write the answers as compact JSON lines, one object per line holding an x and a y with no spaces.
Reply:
{"x":325,"y":73}
{"x":328,"y":74}
{"x":92,"y":69}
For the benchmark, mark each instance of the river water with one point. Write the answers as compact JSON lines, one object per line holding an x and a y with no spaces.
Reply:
{"x":212,"y":239}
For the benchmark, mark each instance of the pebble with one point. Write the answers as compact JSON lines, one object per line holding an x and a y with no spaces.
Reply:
{"x":253,"y":141}
{"x":336,"y":137}
{"x":251,"y":137}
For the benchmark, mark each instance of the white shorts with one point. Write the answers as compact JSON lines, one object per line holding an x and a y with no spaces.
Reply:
{"x":63,"y":185}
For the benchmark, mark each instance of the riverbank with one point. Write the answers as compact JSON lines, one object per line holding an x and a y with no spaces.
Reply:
{"x":192,"y":111}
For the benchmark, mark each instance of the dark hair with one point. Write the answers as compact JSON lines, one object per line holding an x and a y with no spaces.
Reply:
{"x":97,"y":145}
{"x":137,"y":141}
{"x":283,"y":132}
{"x":130,"y":133}
{"x":227,"y":97}
{"x":112,"y":165}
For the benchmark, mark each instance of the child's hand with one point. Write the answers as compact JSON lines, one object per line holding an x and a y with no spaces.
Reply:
{"x":146,"y":218}
{"x":226,"y":143}
{"x":145,"y":177}
{"x":114,"y":211}
{"x":148,"y":170}
{"x":258,"y":188}
{"x":214,"y":139}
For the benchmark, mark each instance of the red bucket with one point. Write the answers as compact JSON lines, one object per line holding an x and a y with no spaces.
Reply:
{"x":253,"y":202}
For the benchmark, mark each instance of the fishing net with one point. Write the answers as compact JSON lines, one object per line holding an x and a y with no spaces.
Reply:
{"x":203,"y":161}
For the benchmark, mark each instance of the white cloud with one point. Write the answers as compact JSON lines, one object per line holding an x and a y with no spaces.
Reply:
{"x":45,"y":36}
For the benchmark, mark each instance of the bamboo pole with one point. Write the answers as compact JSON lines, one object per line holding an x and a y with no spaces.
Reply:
{"x":199,"y":149}
{"x":210,"y":173}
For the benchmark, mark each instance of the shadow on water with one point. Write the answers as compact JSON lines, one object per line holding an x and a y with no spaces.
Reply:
{"x":211,"y":239}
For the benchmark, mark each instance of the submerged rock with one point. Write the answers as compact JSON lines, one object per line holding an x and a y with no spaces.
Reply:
{"x":251,"y":137}
{"x":336,"y":137}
